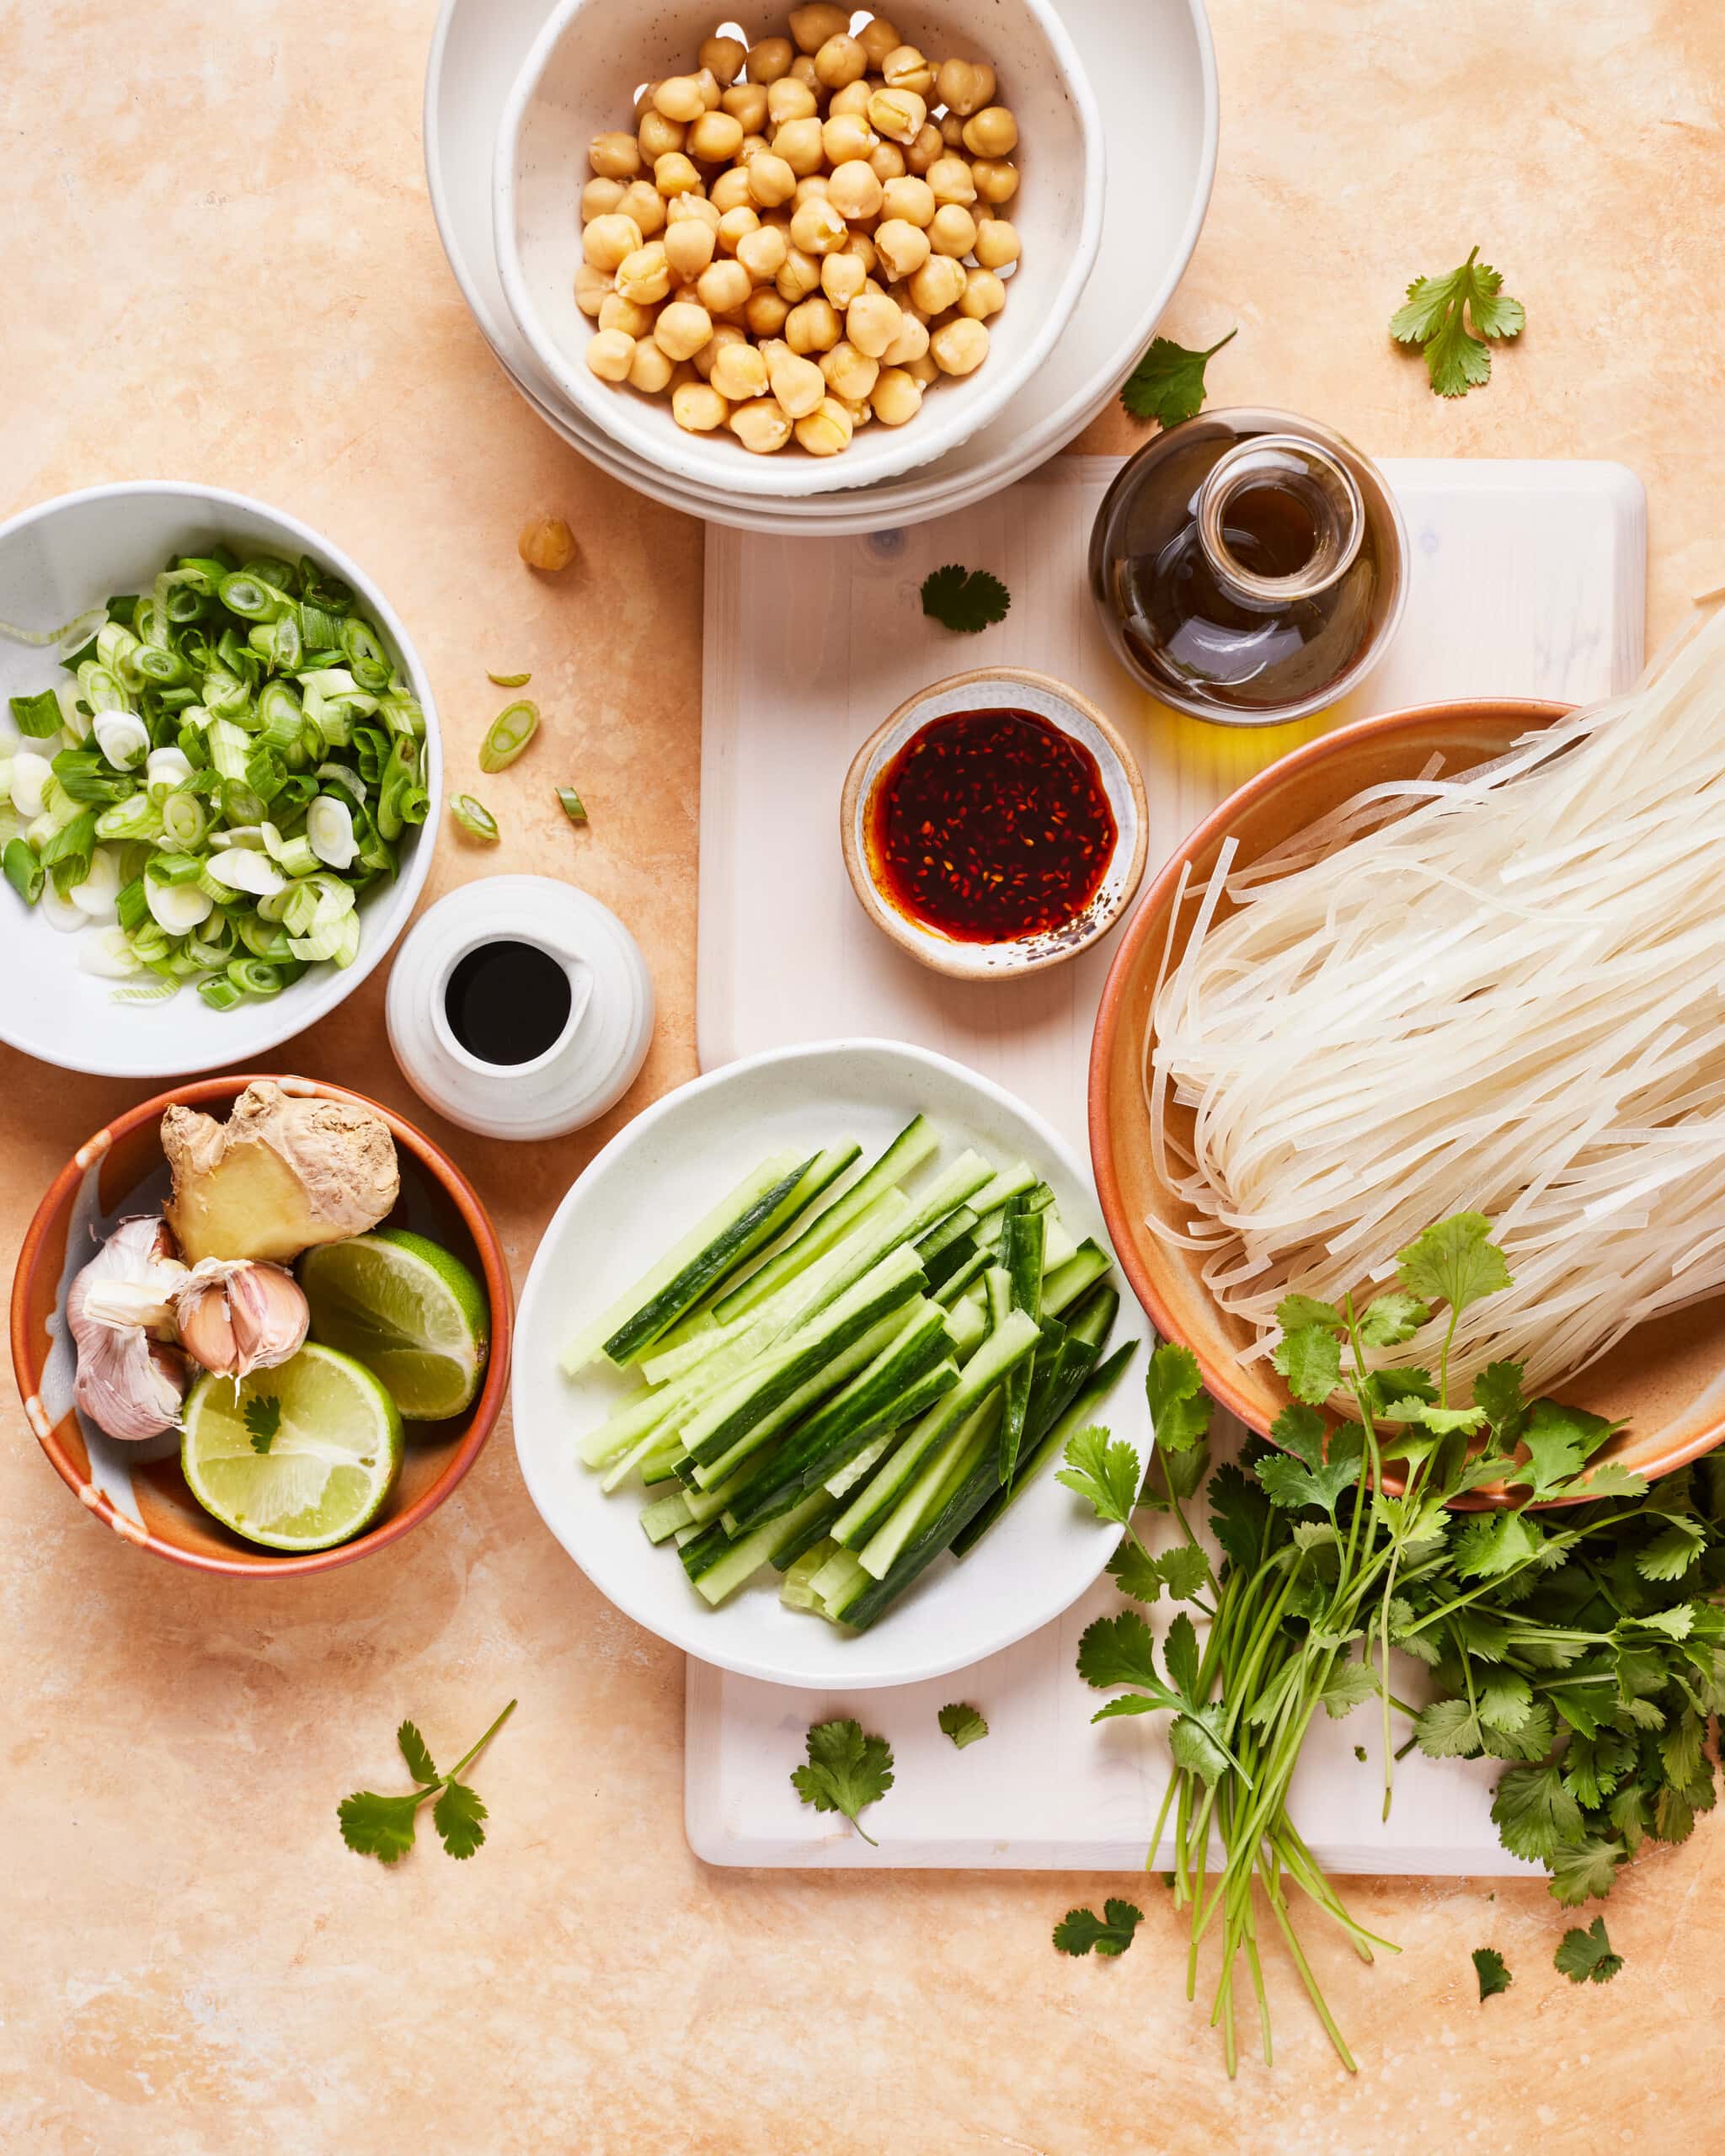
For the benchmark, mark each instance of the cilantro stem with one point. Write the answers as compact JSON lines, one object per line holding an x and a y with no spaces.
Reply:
{"x":467,"y":1758}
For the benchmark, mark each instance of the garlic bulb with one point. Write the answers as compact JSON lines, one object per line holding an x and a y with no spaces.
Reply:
{"x":239,"y":1315}
{"x":128,"y":1384}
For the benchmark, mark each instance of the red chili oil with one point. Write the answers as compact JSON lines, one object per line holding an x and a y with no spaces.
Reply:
{"x":991,"y":825}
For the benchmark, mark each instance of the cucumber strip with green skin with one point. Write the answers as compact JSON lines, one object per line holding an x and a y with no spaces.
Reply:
{"x":851,"y":1472}
{"x":896,"y":1280}
{"x":684,"y":1535}
{"x":1083,"y":1375}
{"x":662,"y":1518}
{"x":590,"y":1341}
{"x":796,"y":1589}
{"x":952,"y":1288}
{"x":954,"y":1229}
{"x":1010,"y":1183}
{"x":727,"y":1568}
{"x":1063,"y":1287}
{"x":825,"y":1380}
{"x":837,"y":1576}
{"x":951,"y":1463}
{"x":659,"y":1468}
{"x":915,"y":1143}
{"x":997,"y":1285}
{"x":1024,"y":1237}
{"x":797,"y":1528}
{"x":771,"y":1212}
{"x":1010,"y":1343}
{"x":967,"y":1323}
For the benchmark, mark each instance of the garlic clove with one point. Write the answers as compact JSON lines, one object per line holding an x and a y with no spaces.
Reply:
{"x":129,"y":1384}
{"x":237,"y":1316}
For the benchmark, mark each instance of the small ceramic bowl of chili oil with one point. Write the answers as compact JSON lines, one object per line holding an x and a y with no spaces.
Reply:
{"x":994,"y":825}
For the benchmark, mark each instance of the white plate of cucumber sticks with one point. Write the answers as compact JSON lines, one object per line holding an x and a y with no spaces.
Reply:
{"x":779,"y":1342}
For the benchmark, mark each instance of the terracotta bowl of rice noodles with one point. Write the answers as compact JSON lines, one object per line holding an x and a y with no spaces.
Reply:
{"x":1486,"y":1008}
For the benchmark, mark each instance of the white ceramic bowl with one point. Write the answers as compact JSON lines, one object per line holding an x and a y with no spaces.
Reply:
{"x":665,"y":1170}
{"x":58,"y":560}
{"x":580,"y":78}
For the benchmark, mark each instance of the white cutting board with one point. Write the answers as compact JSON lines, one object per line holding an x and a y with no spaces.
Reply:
{"x":1527,"y":579}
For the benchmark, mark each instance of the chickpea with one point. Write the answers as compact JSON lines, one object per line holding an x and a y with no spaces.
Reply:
{"x":607,"y":240}
{"x":799,"y":276}
{"x":614,"y":155}
{"x":952,"y":131}
{"x":658,"y":135}
{"x":902,"y":246}
{"x":803,"y":72}
{"x":840,"y":62}
{"x":997,"y":243}
{"x":644,"y":102}
{"x":950,"y":179}
{"x":765,"y":312}
{"x":715,"y":137}
{"x":735,"y":225}
{"x":995,"y":179}
{"x":600,"y":197}
{"x":770,"y":60}
{"x":983,"y":295}
{"x":905,"y":68}
{"x":762,"y":253}
{"x":842,"y":277}
{"x":811,"y":188}
{"x":798,"y":143}
{"x":724,"y":287}
{"x":910,"y":200}
{"x":993,"y":133}
{"x":798,"y":383}
{"x":674,"y":174}
{"x":788,"y":99}
{"x":746,"y":101}
{"x":722,"y":58}
{"x":644,"y":202}
{"x":846,"y":138}
{"x":872,"y":322}
{"x":850,"y":374}
{"x":960,"y":347}
{"x":911,"y":343}
{"x":650,"y":370}
{"x":689,"y":248}
{"x":738,"y":373}
{"x":818,"y":228}
{"x":898,"y":114}
{"x":852,"y":103}
{"x":723,"y":336}
{"x":699,"y":407}
{"x":547,"y":543}
{"x":771,"y":180}
{"x":923,"y":370}
{"x":730,"y":191}
{"x":644,"y":277}
{"x":812,"y":26}
{"x":862,"y":247}
{"x":751,"y":147}
{"x":896,"y":396}
{"x":826,"y":430}
{"x":964,"y":86}
{"x":954,"y":231}
{"x":853,"y":191}
{"x":938,"y":285}
{"x":678,"y":98}
{"x":813,"y":326}
{"x":593,"y":287}
{"x":680,"y":373}
{"x":761,"y":426}
{"x":681,"y":330}
{"x":886,"y":161}
{"x":859,"y":411}
{"x":876,"y":40}
{"x":627,"y":315}
{"x":696,"y":206}
{"x":609,"y":352}
{"x":922,"y":153}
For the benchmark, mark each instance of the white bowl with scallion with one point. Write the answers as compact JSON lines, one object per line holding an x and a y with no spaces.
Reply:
{"x":219,"y":773}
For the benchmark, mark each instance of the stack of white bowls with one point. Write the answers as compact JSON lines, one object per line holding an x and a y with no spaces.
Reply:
{"x":1117,"y":108}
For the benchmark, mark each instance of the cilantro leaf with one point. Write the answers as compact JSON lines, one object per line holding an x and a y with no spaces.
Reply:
{"x":1119,"y":1650}
{"x":1185,"y":1571}
{"x":263,"y":1419}
{"x":1295,"y":1311}
{"x":1492,"y":1972}
{"x":1136,"y":1573}
{"x":1534,"y":1813}
{"x":1081,"y":1930}
{"x":1193,"y":1743}
{"x":1350,"y":1683}
{"x":962,"y":1723}
{"x":1454,"y":1262}
{"x":456,"y":1816}
{"x":1167,"y":383}
{"x":1105,"y":1473}
{"x":1492,"y":1543}
{"x":1180,"y":1408}
{"x":1498,"y":1389}
{"x":1586,"y":1956}
{"x":1559,"y":1441}
{"x":1609,"y":1479}
{"x":414,"y":1752}
{"x":846,"y":1771}
{"x":1436,"y":316}
{"x":1290,"y":1482}
{"x":1670,"y":1555}
{"x":1448,"y":1729}
{"x":1180,"y":1656}
{"x":1392,"y":1318}
{"x":378,"y":1826}
{"x":1310,"y":1358}
{"x":1585,"y":1870}
{"x":964,"y":601}
{"x":1181,"y":1474}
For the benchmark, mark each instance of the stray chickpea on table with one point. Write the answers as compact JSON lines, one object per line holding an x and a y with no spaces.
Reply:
{"x":804,"y":235}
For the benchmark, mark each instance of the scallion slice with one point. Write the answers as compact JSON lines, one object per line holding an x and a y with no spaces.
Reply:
{"x":511,"y":731}
{"x":475,"y":819}
{"x":572,"y":805}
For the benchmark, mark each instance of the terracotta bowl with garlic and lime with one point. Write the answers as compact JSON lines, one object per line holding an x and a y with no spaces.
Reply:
{"x":261,"y":1324}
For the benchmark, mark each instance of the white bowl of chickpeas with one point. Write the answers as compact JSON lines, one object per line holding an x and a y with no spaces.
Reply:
{"x":805,"y":261}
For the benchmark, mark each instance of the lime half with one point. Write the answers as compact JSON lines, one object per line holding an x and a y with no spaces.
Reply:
{"x":296,"y":1458}
{"x":409,"y":1312}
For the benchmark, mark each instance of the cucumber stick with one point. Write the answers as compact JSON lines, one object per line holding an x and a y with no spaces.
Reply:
{"x":950,"y":1463}
{"x":734,"y":1564}
{"x":1022,"y":1241}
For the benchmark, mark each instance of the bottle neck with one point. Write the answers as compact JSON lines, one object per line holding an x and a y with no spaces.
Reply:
{"x":1318,"y":511}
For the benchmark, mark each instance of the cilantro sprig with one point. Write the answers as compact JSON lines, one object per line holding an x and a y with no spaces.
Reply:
{"x":383,"y":1827}
{"x":846,"y":1771}
{"x":965,"y":600}
{"x":1081,"y":1931}
{"x":1437,"y":313}
{"x":1586,"y":1956}
{"x":962,"y":1723}
{"x":1167,"y":383}
{"x":1492,"y":1971}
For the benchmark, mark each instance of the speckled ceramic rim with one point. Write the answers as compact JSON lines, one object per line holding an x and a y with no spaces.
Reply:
{"x":203,"y":1093}
{"x":1007,"y":961}
{"x":1482,"y":714}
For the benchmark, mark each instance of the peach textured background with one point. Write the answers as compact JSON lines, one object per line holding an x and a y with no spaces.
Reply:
{"x":218,"y":263}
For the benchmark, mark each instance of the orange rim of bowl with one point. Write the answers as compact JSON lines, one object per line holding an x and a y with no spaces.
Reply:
{"x":437,"y":1164}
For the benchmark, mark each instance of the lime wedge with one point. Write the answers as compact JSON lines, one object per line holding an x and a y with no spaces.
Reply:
{"x":409,"y":1312}
{"x":331,"y":1450}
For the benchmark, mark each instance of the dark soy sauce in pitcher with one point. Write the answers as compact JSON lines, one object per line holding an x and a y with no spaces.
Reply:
{"x":508,"y":1002}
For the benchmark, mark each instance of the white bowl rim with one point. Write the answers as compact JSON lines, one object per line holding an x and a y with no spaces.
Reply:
{"x":772,"y":478}
{"x":695,"y":1632}
{"x":879,"y":506}
{"x":334,"y":983}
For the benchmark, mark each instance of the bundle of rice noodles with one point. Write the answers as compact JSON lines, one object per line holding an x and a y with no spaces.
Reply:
{"x":1502,"y":992}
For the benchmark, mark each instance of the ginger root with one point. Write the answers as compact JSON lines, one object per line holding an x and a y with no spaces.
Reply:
{"x":283,"y":1173}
